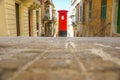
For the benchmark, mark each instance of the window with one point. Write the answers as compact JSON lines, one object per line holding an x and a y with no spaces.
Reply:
{"x":90,"y":9}
{"x":77,"y":13}
{"x":103,"y":9}
{"x":82,"y":12}
{"x":76,"y":16}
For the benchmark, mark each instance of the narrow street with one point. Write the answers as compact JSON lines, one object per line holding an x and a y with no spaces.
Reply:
{"x":59,"y":40}
{"x":27,"y":58}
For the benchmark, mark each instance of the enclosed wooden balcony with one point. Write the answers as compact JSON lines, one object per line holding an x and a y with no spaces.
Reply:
{"x":33,"y":3}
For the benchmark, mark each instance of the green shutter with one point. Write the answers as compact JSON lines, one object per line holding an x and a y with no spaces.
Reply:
{"x":90,"y":9}
{"x":103,"y":9}
{"x":118,"y":22}
{"x":81,"y":13}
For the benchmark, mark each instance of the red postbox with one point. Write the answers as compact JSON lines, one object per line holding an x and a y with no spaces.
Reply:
{"x":62,"y":15}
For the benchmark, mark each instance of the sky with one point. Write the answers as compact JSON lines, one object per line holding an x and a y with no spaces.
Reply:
{"x":62,"y":4}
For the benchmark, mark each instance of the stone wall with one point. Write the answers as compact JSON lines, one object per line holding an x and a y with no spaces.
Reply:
{"x":10,"y":17}
{"x":25,"y":21}
{"x":3,"y":27}
{"x":96,"y":26}
{"x":8,"y":26}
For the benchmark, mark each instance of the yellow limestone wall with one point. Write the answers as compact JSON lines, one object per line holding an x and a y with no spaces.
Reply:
{"x":8,"y":18}
{"x":24,"y":22}
{"x":94,"y":25}
{"x":3,"y":27}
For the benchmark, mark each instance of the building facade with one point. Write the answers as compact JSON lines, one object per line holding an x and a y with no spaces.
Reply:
{"x":20,"y":17}
{"x":48,"y":18}
{"x":97,"y":17}
{"x":23,"y":17}
{"x":74,"y":16}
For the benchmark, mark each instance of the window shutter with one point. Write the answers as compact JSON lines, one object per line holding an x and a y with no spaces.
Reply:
{"x":90,"y":9}
{"x":82,"y":12}
{"x":103,"y":9}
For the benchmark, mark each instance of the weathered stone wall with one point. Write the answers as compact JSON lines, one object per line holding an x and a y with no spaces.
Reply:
{"x":3,"y":27}
{"x":10,"y":17}
{"x":96,"y":26}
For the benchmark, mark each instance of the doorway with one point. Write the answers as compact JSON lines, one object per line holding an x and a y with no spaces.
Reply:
{"x":17,"y":19}
{"x":118,"y":21}
{"x":37,"y":22}
{"x":29,"y":18}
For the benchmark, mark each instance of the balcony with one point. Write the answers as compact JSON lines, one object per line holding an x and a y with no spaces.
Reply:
{"x":46,"y":17}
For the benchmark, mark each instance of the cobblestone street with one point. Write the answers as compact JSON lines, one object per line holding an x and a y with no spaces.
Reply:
{"x":25,"y":58}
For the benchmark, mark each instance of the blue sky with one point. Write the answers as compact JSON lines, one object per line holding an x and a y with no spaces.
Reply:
{"x":62,"y":4}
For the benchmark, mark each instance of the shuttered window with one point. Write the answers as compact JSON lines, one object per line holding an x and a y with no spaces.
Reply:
{"x":90,"y":9}
{"x":103,"y":9}
{"x":77,"y":14}
{"x":82,"y":12}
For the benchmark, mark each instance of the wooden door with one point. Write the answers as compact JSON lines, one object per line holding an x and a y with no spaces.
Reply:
{"x":17,"y":19}
{"x":29,"y":22}
{"x":118,"y":21}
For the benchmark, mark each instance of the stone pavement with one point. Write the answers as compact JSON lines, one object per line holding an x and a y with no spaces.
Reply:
{"x":25,"y":58}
